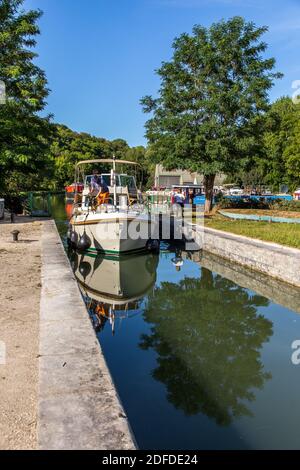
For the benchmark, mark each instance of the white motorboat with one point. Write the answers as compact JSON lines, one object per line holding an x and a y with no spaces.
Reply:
{"x":118,"y":224}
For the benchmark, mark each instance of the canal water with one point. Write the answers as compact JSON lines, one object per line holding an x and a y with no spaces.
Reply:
{"x":199,"y":361}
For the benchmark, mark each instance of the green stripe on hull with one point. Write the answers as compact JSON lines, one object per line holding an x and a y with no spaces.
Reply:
{"x":116,"y":253}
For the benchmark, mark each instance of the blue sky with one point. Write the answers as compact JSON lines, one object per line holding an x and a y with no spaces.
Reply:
{"x":100,"y":55}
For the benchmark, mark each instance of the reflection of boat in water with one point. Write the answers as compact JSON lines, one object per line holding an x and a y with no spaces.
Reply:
{"x":69,"y":210}
{"x":113,"y":287}
{"x":106,"y":279}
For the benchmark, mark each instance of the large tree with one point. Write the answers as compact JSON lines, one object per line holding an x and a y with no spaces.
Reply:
{"x":212,"y":97}
{"x":23,"y":135}
{"x":277,"y":162}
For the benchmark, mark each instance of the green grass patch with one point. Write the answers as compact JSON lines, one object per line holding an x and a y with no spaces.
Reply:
{"x":284,"y":234}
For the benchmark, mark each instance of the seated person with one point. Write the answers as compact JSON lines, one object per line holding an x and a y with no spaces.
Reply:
{"x":99,"y":188}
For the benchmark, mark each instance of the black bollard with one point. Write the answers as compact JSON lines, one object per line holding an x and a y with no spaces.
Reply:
{"x":15,"y":234}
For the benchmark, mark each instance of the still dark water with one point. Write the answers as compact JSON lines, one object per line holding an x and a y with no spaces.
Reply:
{"x":199,"y":361}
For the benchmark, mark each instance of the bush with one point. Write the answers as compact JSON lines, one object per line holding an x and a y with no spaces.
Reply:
{"x":245,"y":203}
{"x":283,"y":205}
{"x":219,"y":198}
{"x":242,"y":203}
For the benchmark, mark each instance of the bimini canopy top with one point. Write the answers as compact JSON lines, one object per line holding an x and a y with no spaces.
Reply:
{"x":106,"y":160}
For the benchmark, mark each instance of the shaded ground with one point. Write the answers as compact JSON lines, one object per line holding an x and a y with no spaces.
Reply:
{"x":19,"y":331}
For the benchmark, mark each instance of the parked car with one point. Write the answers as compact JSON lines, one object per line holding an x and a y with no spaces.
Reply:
{"x":236,"y":191}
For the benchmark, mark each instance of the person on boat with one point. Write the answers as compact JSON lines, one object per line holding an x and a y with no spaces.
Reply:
{"x":99,"y":188}
{"x":179,"y":198}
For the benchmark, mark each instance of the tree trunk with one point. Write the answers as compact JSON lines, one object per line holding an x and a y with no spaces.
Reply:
{"x":209,"y":192}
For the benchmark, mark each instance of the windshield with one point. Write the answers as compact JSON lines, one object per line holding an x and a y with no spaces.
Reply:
{"x":105,"y":176}
{"x":128,"y":181}
{"x":121,"y":180}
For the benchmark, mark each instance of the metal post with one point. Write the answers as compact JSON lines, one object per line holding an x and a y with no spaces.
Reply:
{"x":114,"y":181}
{"x":49,"y":200}
{"x":30,"y":200}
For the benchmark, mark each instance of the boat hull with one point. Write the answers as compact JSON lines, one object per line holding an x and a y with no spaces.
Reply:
{"x":113,"y":235}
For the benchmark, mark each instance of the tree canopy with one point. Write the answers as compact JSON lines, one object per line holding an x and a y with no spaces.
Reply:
{"x":24,"y":135}
{"x":69,"y":147}
{"x":214,"y":91}
{"x":281,"y":159}
{"x":277,"y":161}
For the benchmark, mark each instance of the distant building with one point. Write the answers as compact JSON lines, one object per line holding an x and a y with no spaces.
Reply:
{"x":166,"y":179}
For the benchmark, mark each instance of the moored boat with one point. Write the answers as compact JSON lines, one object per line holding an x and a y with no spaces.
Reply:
{"x":113,"y":220}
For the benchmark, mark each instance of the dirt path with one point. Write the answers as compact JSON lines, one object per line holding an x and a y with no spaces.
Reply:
{"x":20,"y":265}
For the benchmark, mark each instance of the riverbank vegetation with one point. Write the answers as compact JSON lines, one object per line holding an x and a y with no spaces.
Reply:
{"x":258,"y":204}
{"x":68,"y":147}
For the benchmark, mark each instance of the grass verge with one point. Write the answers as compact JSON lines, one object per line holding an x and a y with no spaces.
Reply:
{"x":284,"y":234}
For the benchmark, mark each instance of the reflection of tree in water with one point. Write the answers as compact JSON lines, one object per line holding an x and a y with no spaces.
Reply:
{"x":208,"y":337}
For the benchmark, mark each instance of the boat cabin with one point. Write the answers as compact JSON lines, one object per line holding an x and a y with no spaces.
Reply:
{"x":122,"y":181}
{"x":125,"y":184}
{"x":122,"y":188}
